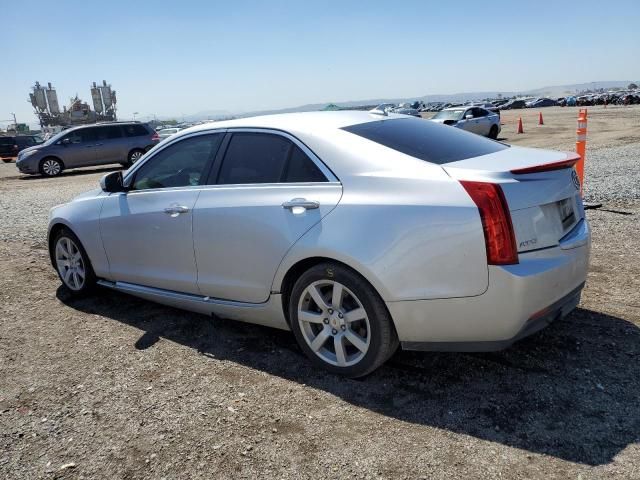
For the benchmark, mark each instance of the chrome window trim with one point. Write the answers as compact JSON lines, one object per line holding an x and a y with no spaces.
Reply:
{"x":331,"y":178}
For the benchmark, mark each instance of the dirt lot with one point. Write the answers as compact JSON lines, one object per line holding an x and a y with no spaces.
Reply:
{"x":117,"y":387}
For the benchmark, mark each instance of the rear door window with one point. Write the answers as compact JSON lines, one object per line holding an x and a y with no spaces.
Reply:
{"x":254,"y":158}
{"x":300,"y":168}
{"x":426,"y":140}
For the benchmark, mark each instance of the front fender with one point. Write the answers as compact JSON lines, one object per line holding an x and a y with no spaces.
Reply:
{"x":82,"y":217}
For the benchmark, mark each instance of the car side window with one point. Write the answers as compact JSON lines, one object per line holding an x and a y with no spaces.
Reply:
{"x":181,"y":164}
{"x":84,"y":135}
{"x":480,"y":112}
{"x":108,"y":133}
{"x":135,"y":130}
{"x":301,"y":168}
{"x":254,"y":158}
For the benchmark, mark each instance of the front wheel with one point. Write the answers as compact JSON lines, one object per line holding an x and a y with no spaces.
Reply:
{"x":340,"y":322}
{"x":51,"y":167}
{"x":72,"y":263}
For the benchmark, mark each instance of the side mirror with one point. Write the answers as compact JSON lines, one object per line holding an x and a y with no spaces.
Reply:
{"x":112,"y":182}
{"x":468,"y":117}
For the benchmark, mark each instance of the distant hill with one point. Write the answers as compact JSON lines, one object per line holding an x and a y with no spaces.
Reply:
{"x":551,"y":91}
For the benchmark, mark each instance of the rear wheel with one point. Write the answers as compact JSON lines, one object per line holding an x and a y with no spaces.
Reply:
{"x":493,"y":133}
{"x":6,"y":160}
{"x":134,"y":156}
{"x":340,"y":322}
{"x":72,"y":263}
{"x":51,"y":167}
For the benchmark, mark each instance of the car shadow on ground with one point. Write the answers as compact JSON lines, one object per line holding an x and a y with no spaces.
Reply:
{"x":571,"y":391}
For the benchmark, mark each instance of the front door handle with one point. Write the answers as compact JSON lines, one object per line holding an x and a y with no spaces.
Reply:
{"x":175,"y":210}
{"x":301,"y":203}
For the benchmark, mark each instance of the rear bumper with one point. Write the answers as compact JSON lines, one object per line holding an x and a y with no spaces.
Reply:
{"x":553,"y":312}
{"x":520,"y":300}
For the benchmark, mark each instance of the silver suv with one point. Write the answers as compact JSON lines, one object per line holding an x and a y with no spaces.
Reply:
{"x":89,"y":145}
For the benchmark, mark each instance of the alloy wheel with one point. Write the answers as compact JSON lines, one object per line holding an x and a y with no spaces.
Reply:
{"x":70,"y":263}
{"x":334,"y":323}
{"x":51,"y":167}
{"x":135,"y":156}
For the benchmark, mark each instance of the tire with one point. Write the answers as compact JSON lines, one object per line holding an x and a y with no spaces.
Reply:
{"x":72,"y":262}
{"x":6,"y":160}
{"x":360,"y":344}
{"x":493,"y":132}
{"x":134,"y":156}
{"x":51,"y":167}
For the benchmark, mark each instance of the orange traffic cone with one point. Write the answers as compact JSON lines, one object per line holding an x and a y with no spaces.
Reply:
{"x":520,"y":129}
{"x":540,"y":121}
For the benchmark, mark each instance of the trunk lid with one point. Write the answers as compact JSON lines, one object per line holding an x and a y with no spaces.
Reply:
{"x":545,"y":205}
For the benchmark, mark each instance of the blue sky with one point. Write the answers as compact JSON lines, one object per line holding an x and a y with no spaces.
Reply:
{"x":181,"y":57}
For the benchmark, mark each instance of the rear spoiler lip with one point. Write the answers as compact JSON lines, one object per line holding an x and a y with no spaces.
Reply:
{"x":570,"y":161}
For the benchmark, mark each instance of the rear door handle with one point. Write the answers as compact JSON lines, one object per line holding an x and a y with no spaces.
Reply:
{"x":302,"y":203}
{"x":175,"y":210}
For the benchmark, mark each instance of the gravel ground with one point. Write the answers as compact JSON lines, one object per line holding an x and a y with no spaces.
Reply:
{"x":612,"y":174}
{"x":113,"y":386}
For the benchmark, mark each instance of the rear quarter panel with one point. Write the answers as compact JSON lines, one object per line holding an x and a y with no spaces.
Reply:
{"x":404,"y":224}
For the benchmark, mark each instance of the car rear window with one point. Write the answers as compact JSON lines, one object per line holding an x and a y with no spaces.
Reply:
{"x":426,"y":140}
{"x":6,"y":141}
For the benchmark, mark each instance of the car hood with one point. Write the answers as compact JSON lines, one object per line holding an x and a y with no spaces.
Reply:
{"x":437,"y":120}
{"x":30,"y":149}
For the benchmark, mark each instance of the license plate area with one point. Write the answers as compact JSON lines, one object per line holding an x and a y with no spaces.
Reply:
{"x":567,"y":213}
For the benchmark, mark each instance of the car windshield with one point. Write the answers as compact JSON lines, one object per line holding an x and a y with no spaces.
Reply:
{"x":449,"y":114}
{"x":426,"y":140}
{"x":56,"y":137}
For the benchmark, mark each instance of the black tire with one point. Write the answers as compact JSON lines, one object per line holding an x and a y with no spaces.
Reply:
{"x":90,"y":279}
{"x":383,"y":337}
{"x":134,"y":156}
{"x":51,"y":167}
{"x":493,"y":132}
{"x":6,"y":160}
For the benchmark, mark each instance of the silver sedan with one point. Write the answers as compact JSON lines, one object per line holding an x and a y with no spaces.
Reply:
{"x":472,"y":119}
{"x":360,"y":232}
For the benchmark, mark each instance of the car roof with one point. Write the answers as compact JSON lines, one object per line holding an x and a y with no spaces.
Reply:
{"x":101,"y":124}
{"x":302,"y":122}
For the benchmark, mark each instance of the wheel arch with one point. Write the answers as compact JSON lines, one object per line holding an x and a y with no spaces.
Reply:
{"x":55,"y":157}
{"x":294,"y":271}
{"x":53,"y":231}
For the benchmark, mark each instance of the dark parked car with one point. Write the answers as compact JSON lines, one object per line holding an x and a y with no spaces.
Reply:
{"x":513,"y":105}
{"x":541,"y":102}
{"x":11,"y":146}
{"x":89,"y":145}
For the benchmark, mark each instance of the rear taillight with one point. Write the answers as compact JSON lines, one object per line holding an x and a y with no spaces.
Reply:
{"x":496,"y":222}
{"x":15,"y":147}
{"x":155,"y":137}
{"x":548,"y":167}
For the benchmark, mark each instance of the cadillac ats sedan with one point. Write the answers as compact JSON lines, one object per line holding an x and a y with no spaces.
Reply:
{"x":359,"y":232}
